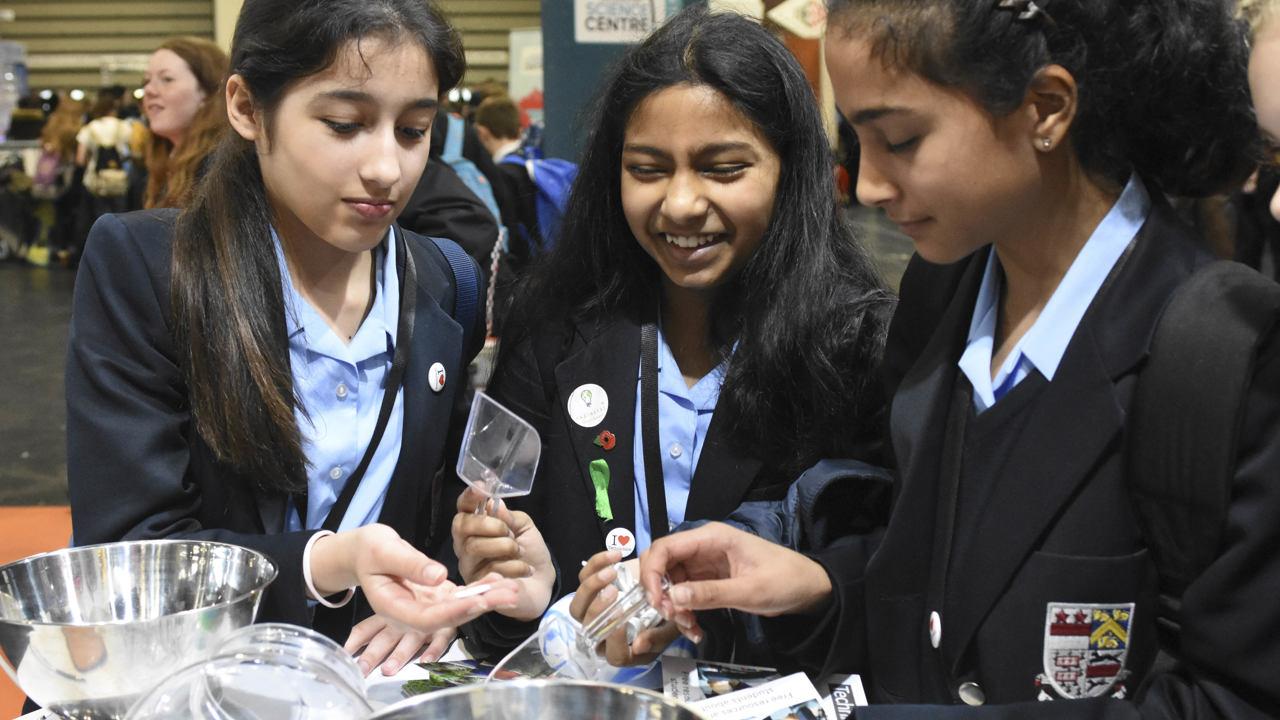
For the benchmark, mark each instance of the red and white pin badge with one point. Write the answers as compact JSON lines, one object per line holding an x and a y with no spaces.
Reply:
{"x":622,"y":540}
{"x":436,"y":377}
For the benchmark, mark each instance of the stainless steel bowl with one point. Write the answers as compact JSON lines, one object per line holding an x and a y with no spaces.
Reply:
{"x":539,"y":700}
{"x":85,"y":631}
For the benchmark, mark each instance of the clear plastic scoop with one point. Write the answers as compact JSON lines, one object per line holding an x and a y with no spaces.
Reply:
{"x":564,"y":648}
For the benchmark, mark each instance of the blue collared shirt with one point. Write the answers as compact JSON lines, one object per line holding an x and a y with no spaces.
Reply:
{"x":340,"y":387}
{"x":1044,"y":344}
{"x":684,"y":414}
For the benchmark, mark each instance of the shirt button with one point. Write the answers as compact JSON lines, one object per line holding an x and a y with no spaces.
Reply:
{"x":341,"y":392}
{"x":676,"y":450}
{"x":971,"y":693}
{"x":336,"y":472}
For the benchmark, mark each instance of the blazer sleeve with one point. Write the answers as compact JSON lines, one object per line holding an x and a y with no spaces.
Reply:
{"x":133,"y":469}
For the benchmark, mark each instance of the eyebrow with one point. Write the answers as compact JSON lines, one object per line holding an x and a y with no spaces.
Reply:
{"x":875,"y":113}
{"x":358,"y":96}
{"x":711,"y":149}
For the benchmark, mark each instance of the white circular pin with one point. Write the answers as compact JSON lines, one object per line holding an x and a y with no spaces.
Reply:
{"x":622,"y":540}
{"x":935,"y":629}
{"x":436,"y":377}
{"x":588,"y":405}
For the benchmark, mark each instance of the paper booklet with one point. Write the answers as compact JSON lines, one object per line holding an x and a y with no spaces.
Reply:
{"x":724,"y":691}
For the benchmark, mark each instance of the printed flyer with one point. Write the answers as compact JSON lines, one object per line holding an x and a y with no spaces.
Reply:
{"x":724,"y":691}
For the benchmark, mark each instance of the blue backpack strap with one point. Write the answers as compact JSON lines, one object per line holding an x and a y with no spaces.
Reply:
{"x":452,"y":139}
{"x":466,"y":277}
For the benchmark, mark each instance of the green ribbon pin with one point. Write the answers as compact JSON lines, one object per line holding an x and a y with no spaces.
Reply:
{"x":599,"y":470}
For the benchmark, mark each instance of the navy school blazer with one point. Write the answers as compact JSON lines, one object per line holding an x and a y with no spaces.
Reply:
{"x":135,"y":468}
{"x":1057,"y":532}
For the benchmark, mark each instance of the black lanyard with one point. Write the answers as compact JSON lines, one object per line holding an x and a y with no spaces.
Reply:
{"x":655,"y":488}
{"x":404,"y":338}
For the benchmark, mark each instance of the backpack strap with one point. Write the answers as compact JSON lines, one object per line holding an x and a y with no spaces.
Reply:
{"x":466,"y":279}
{"x":453,"y":138}
{"x":1187,"y":411}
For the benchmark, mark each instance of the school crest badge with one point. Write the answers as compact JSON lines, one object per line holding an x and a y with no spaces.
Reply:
{"x":1085,"y":648}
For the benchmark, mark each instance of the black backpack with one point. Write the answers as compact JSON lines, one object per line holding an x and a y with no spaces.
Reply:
{"x":1187,"y":411}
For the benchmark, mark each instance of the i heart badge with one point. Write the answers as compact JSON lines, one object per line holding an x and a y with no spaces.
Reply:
{"x":622,"y":540}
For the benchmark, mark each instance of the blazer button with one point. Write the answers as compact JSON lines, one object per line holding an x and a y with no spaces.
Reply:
{"x":971,"y":693}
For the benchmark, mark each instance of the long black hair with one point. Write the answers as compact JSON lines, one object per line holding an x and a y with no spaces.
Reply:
{"x":1163,"y":83}
{"x":228,"y":307}
{"x":808,"y":312}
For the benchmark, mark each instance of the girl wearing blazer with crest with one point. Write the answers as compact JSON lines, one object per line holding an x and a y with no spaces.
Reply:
{"x":228,"y":365}
{"x":704,"y":209}
{"x":1026,"y":147}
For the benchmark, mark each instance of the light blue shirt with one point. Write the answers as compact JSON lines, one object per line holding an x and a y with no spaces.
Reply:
{"x":1043,"y":346}
{"x":684,"y":414}
{"x":340,"y":387}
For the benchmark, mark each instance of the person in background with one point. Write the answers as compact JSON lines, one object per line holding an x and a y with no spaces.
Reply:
{"x":704,"y":274}
{"x":1027,"y":148}
{"x":276,"y":365}
{"x":497,"y":121}
{"x":1263,"y":17}
{"x":59,"y":217}
{"x":184,"y":104}
{"x":101,"y":149}
{"x":497,"y":124}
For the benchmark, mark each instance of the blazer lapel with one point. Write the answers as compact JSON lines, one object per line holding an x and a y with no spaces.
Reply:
{"x":611,"y":360}
{"x":723,"y":475}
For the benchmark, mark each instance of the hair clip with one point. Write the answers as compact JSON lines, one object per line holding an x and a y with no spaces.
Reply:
{"x":1027,"y":9}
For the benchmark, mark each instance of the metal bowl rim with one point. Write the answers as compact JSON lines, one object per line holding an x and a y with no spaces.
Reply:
{"x":526,"y":682}
{"x":270,"y":566}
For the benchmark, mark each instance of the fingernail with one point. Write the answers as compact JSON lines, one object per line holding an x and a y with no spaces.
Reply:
{"x":390,"y":668}
{"x":365,"y":666}
{"x":681,"y":595}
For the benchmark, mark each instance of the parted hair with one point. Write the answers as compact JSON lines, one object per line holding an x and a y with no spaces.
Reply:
{"x":808,"y":312}
{"x":228,"y":305}
{"x":1163,"y":83}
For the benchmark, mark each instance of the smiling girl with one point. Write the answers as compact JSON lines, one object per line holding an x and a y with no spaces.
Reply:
{"x":280,"y":361}
{"x":702,"y":251}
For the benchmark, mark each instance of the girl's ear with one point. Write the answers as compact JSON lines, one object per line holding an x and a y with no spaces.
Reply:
{"x":1053,"y":98}
{"x":241,"y":110}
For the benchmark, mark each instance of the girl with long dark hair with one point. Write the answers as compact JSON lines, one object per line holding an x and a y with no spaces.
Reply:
{"x":279,"y":362}
{"x":702,"y":249}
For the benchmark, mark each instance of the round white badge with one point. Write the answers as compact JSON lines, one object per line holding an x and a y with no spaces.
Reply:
{"x":588,"y":405}
{"x":622,"y":540}
{"x":436,"y":376}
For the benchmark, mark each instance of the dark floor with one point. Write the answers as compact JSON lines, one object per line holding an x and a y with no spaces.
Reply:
{"x":35,"y":308}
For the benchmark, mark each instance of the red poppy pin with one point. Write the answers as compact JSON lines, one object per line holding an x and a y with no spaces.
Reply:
{"x":606,"y":440}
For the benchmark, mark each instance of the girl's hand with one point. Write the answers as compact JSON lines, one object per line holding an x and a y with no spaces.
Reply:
{"x":509,"y":544}
{"x":717,"y":566}
{"x":404,"y":586}
{"x":596,"y":592}
{"x":391,"y":647}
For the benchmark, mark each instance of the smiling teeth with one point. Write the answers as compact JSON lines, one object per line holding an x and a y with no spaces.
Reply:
{"x":689,"y":241}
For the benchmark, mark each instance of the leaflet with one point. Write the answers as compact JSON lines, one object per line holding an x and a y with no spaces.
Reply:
{"x":724,"y":691}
